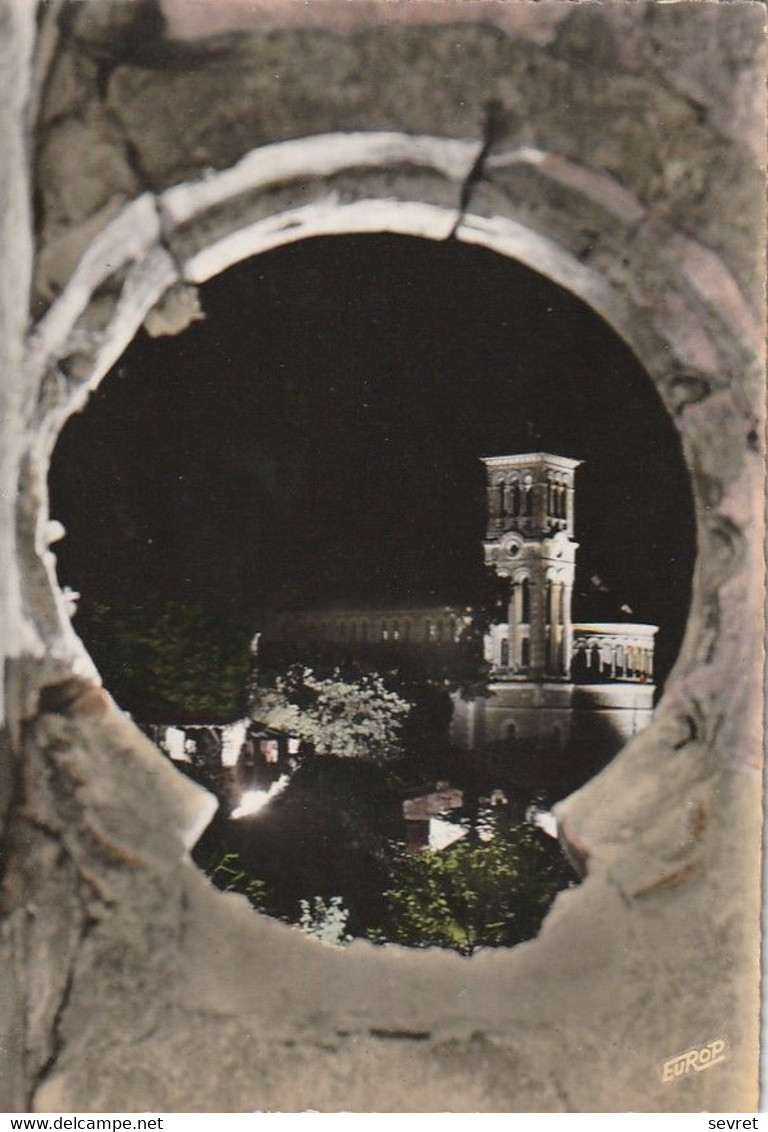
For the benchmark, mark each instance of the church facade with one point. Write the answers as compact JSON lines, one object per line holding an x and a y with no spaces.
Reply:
{"x":553,"y":681}
{"x":351,"y":629}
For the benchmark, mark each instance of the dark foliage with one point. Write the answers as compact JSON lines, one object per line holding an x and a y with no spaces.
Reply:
{"x":328,"y":835}
{"x":471,"y":895}
{"x":163,"y":660}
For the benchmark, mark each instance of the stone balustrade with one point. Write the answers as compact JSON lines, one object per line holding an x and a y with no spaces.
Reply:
{"x":612,"y":652}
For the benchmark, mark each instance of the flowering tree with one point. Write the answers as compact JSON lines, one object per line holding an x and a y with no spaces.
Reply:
{"x":348,"y":718}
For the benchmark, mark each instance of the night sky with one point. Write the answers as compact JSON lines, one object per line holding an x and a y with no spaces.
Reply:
{"x":317,"y":439}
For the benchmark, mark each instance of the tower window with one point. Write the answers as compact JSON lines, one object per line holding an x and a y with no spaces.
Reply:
{"x":513,"y":499}
{"x":525,"y":652}
{"x":527,"y":497}
{"x":525,"y":589}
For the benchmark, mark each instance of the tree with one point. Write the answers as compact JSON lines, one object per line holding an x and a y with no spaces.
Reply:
{"x":358,"y":718}
{"x":164,"y":660}
{"x":474,"y":895}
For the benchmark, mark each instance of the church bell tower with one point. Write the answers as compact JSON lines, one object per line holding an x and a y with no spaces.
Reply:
{"x":529,"y":540}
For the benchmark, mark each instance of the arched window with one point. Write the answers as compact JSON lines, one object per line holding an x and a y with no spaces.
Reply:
{"x":525,"y":652}
{"x":353,"y":631}
{"x":525,"y":603}
{"x":513,"y":499}
{"x":364,"y":631}
{"x":579,"y":664}
{"x":527,"y":500}
{"x":406,"y":630}
{"x":395,"y":630}
{"x":342,"y":631}
{"x":550,"y":603}
{"x":504,"y":659}
{"x":511,"y":732}
{"x":384,"y":631}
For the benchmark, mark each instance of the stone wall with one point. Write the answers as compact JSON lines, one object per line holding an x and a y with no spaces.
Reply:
{"x":617,"y":149}
{"x":598,"y":717}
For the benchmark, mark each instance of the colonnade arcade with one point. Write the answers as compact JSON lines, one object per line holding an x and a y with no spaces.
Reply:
{"x":433,"y":626}
{"x":553,"y":640}
{"x":626,"y":654}
{"x":517,"y":502}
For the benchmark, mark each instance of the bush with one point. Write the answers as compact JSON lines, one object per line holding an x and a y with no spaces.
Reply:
{"x":229,"y":874}
{"x":326,"y":921}
{"x":473,"y":895}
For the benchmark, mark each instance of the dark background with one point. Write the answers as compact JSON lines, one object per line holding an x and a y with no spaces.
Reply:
{"x":317,"y":440}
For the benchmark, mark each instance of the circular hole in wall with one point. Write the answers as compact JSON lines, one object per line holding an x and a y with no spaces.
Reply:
{"x":305,"y":466}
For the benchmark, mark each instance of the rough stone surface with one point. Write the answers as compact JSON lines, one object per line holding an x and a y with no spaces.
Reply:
{"x":16,"y":41}
{"x":225,"y":96}
{"x":617,"y":149}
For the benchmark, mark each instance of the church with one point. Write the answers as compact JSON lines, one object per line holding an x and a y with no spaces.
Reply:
{"x":553,"y":681}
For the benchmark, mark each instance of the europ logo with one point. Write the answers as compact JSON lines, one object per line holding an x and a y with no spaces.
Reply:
{"x":695,"y":1060}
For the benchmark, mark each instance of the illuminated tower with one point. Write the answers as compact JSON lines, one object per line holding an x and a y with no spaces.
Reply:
{"x":529,"y":540}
